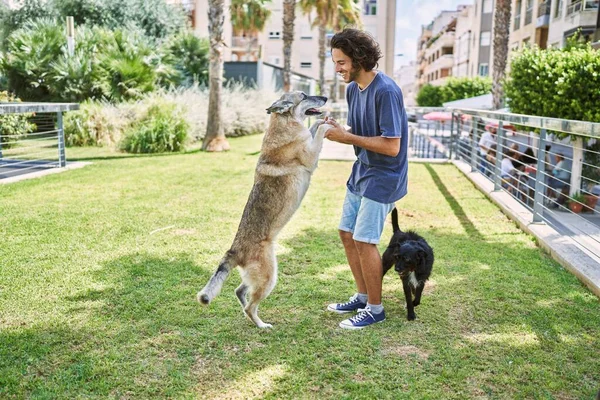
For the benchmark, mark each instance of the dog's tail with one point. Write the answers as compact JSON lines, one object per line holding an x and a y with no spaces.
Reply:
{"x":395,"y":220}
{"x":214,"y":285}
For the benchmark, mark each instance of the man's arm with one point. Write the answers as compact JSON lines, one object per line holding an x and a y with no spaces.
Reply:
{"x":378,"y":144}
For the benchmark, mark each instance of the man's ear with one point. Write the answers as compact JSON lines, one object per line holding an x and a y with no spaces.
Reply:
{"x":280,"y":106}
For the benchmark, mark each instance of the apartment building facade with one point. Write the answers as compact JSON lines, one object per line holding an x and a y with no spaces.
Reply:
{"x":378,"y":17}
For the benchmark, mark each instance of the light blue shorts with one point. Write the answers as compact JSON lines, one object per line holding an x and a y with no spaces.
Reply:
{"x":364,"y":218}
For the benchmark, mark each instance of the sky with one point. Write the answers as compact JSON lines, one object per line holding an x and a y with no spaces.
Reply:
{"x":410,"y":15}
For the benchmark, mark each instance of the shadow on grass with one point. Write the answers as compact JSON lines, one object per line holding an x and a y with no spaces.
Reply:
{"x":145,"y":336}
{"x":123,"y":156}
{"x":454,"y":205}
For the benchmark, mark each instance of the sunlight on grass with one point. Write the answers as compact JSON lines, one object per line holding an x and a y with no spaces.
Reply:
{"x":512,"y":339}
{"x":332,"y":273}
{"x":99,"y":269}
{"x":254,"y":385}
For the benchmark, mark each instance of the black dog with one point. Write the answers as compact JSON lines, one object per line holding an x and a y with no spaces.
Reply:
{"x":413,"y":259}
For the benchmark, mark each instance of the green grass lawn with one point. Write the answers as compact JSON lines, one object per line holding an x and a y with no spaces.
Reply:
{"x":100,"y":266}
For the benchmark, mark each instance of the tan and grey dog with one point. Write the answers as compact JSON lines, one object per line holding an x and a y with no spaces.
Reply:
{"x":288,"y":157}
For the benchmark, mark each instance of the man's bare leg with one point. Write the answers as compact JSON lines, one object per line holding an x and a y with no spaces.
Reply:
{"x":352,"y":255}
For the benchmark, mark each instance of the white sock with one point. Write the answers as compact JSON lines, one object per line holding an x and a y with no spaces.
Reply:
{"x":375,"y":308}
{"x":362,"y":297}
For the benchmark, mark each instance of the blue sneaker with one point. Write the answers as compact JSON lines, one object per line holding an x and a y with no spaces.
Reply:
{"x":350,"y":306}
{"x":363,"y":319}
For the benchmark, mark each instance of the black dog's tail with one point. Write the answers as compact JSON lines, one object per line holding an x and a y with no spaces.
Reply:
{"x":395,"y":220}
{"x":214,"y":285}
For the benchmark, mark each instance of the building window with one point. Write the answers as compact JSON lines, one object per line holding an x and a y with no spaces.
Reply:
{"x":488,"y":6}
{"x":558,"y":9}
{"x":485,"y":39}
{"x":517,"y":21}
{"x":274,"y":60}
{"x":274,"y":35}
{"x":370,"y":7}
{"x":483,"y":69}
{"x":305,"y":65}
{"x":529,"y":12}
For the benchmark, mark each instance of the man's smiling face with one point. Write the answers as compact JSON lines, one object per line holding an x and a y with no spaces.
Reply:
{"x":343,"y":66}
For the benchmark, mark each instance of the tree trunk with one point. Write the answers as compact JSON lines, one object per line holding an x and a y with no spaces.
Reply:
{"x":215,"y":133}
{"x":289,"y":10}
{"x":335,"y":88}
{"x":322,"y":33}
{"x":501,"y":35}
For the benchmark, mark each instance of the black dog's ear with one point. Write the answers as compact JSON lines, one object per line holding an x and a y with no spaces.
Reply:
{"x":280,"y":106}
{"x":421,"y":257}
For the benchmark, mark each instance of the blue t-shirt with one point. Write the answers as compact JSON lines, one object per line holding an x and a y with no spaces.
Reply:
{"x":378,"y":110}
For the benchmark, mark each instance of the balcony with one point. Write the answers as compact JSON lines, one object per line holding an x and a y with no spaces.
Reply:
{"x":244,"y":43}
{"x":582,"y":5}
{"x":543,"y":15}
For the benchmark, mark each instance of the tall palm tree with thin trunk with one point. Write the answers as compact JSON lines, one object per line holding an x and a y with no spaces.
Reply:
{"x":215,"y":132}
{"x":348,"y":15}
{"x":289,"y":15}
{"x":501,"y":35}
{"x":328,"y":15}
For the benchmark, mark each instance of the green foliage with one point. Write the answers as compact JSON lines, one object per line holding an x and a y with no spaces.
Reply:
{"x":163,"y":130}
{"x":115,"y":65}
{"x":29,"y":11}
{"x":27,"y":63}
{"x":430,"y":96}
{"x":13,"y":126}
{"x":453,"y":89}
{"x":463,"y":88}
{"x":189,"y":55}
{"x":94,"y":124}
{"x":558,"y":83}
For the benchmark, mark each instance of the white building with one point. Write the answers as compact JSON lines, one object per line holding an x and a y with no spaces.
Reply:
{"x":378,"y":18}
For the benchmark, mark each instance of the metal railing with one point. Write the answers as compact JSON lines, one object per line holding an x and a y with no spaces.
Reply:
{"x":31,"y":137}
{"x":550,"y":166}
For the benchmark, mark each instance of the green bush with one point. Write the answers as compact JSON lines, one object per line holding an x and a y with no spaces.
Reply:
{"x":95,"y":124}
{"x":558,"y":83}
{"x":430,"y":96}
{"x":163,"y":130}
{"x":27,"y":63}
{"x":189,"y":55}
{"x":453,"y":89}
{"x":118,"y":66}
{"x":13,"y":126}
{"x":464,"y":88}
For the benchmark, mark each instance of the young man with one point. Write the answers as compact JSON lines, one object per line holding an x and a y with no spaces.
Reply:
{"x":379,"y":133}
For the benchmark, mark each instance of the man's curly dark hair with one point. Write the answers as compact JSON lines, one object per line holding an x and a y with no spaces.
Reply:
{"x":360,"y":46}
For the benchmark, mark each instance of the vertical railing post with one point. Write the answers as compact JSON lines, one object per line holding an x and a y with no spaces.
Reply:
{"x":499,"y":155}
{"x":62,"y":158}
{"x":474,"y":144}
{"x":450,"y":144}
{"x":538,"y":201}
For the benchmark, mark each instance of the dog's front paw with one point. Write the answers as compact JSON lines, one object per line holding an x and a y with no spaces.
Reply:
{"x":265,"y":326}
{"x":411,"y":316}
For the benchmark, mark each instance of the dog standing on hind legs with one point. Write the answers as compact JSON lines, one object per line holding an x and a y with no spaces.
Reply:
{"x":413,"y":260}
{"x":288,"y":157}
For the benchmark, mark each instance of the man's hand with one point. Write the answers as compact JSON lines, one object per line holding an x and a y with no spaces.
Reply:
{"x":337,"y":133}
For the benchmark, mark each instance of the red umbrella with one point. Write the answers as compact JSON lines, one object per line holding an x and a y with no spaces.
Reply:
{"x":495,"y":124}
{"x":438,"y":116}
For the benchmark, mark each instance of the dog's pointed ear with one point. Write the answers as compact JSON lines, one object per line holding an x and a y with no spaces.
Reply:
{"x":280,"y":106}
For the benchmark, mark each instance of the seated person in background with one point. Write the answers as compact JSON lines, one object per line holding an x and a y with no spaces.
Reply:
{"x":488,"y":138}
{"x":490,"y":159}
{"x":507,"y":169}
{"x":559,"y":181}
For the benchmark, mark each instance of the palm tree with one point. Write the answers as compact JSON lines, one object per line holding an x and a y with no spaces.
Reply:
{"x":501,"y":34}
{"x":349,"y":14}
{"x":215,"y":132}
{"x":248,"y":17}
{"x":289,"y":15}
{"x":328,"y":16}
